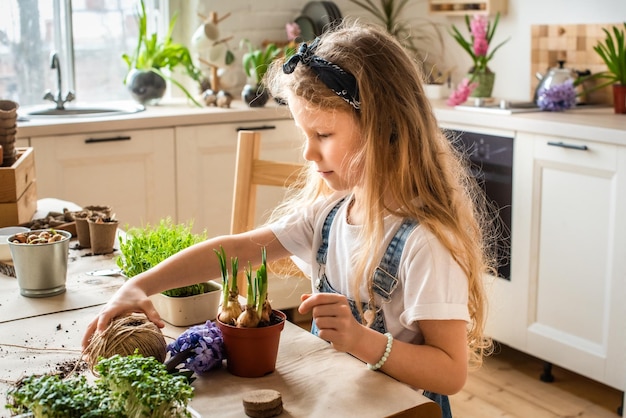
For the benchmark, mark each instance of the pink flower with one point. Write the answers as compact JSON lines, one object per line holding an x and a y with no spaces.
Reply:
{"x":478,"y":29}
{"x":462,"y":92}
{"x":481,"y":33}
{"x":480,"y":46}
{"x":293,"y":31}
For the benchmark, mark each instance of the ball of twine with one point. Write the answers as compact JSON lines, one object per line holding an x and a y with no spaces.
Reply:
{"x":125,"y":335}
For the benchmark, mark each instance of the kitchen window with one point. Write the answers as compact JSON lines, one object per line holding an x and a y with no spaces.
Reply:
{"x":89,"y":37}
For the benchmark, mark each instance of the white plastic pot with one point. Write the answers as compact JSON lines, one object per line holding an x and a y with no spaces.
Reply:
{"x":190,"y":310}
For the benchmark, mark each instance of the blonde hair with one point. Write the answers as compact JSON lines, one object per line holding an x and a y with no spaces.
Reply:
{"x":404,"y":155}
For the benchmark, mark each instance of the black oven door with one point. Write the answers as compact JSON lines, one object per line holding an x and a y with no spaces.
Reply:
{"x":491,"y":159}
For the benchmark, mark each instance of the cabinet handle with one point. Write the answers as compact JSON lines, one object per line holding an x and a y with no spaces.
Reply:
{"x":568,"y":146}
{"x":256,"y":128}
{"x":111,"y":139}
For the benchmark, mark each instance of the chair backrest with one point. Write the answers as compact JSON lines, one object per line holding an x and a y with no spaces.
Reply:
{"x":250,"y":172}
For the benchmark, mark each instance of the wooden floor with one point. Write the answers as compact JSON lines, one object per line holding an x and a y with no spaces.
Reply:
{"x":508,"y":385}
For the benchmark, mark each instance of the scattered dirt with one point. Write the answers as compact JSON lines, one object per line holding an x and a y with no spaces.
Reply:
{"x":68,"y":367}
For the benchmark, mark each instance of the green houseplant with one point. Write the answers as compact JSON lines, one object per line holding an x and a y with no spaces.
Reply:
{"x":613,"y":52}
{"x":145,"y":247}
{"x":146,"y":78}
{"x":255,"y":64}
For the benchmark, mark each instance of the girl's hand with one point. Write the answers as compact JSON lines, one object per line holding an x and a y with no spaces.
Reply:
{"x":333,"y":318}
{"x":127,"y":299}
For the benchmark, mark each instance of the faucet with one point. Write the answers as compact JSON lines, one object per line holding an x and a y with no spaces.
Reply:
{"x":55,"y":64}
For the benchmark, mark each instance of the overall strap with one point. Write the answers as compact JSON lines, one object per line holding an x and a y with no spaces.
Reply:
{"x":322,"y":251}
{"x":386,"y":274}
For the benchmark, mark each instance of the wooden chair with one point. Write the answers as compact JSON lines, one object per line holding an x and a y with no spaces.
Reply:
{"x":251,"y":172}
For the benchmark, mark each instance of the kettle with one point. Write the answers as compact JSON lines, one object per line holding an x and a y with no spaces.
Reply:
{"x":559,"y":75}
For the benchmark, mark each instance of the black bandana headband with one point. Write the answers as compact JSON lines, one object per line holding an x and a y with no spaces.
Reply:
{"x":333,"y":76}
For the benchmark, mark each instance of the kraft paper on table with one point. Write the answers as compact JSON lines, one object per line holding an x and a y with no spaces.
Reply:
{"x":82,"y":290}
{"x":315,"y":381}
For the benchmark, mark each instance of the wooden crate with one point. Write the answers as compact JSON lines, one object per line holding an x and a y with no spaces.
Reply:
{"x":18,"y":189}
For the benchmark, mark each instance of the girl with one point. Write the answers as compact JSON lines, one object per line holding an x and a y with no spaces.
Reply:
{"x":386,"y":225}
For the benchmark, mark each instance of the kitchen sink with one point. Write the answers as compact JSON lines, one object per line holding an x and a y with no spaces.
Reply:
{"x":82,"y":111}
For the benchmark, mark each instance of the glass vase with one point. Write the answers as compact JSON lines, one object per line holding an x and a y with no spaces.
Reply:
{"x":485,"y":79}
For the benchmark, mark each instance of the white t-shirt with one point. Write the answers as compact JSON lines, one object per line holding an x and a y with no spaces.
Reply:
{"x":431,"y":285}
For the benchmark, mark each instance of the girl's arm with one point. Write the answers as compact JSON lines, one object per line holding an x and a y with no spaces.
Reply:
{"x":195,"y":264}
{"x":439,"y":365}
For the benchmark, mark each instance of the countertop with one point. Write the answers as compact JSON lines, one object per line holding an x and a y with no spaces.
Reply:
{"x":585,"y":123}
{"x":168,"y":114}
{"x":594,"y":123}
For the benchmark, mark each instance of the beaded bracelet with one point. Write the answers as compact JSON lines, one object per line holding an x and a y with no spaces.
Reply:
{"x":385,"y":356}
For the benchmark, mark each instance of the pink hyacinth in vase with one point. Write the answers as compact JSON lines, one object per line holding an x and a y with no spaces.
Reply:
{"x":481,"y":33}
{"x":462,"y":92}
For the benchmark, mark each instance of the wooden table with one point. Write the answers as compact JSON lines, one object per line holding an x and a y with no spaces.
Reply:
{"x":315,"y":380}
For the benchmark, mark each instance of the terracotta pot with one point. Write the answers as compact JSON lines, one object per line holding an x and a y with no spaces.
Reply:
{"x":252,"y":352}
{"x":619,"y":98}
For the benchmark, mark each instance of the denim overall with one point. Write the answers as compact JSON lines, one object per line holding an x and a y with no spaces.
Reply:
{"x":385,"y":282}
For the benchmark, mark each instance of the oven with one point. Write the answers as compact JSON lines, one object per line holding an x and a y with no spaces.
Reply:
{"x":491,"y":158}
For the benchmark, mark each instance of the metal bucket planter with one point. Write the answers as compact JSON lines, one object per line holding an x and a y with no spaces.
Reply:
{"x":41,"y":269}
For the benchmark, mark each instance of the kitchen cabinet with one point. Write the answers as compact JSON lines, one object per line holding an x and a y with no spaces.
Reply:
{"x":132,"y":171}
{"x":564,"y":303}
{"x":205,"y":161}
{"x":467,"y":7}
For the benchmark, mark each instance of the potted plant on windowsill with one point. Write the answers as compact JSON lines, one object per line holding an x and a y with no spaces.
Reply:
{"x":255,"y":64}
{"x":613,"y":52}
{"x":144,"y":248}
{"x":146,"y":78}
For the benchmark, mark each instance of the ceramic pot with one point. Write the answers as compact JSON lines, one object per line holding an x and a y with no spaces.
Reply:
{"x":255,"y":96}
{"x":485,"y":80}
{"x":252,"y":352}
{"x":146,"y":87}
{"x":189,"y":310}
{"x":41,"y":269}
{"x":619,"y":98}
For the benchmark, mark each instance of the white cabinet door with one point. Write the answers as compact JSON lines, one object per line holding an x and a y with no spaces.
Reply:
{"x":206,"y":167}
{"x":573,"y":269}
{"x":132,"y":171}
{"x":205,"y":179}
